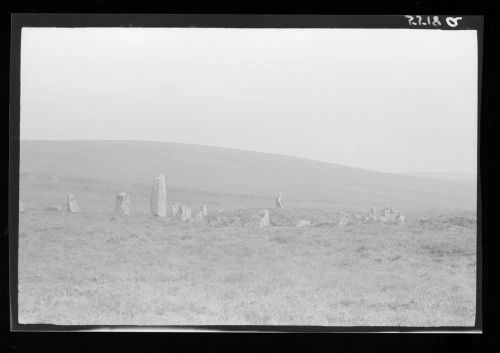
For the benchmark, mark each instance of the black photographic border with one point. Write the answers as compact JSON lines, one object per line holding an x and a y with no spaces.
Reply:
{"x":18,"y":21}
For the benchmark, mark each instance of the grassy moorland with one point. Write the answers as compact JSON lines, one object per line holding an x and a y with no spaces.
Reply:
{"x":95,"y":267}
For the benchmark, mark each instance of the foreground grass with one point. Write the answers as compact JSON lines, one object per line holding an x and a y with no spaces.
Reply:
{"x":97,"y":268}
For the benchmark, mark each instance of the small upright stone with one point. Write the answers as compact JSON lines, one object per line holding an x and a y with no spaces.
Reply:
{"x":122,"y":203}
{"x":185,"y":212}
{"x":385,"y":215}
{"x":344,"y":219}
{"x":393,"y":215}
{"x":372,"y":217}
{"x":279,"y":201}
{"x":261,"y":219}
{"x":400,"y":218}
{"x":158,"y":200}
{"x":203,"y":210}
{"x":264,"y":220}
{"x":71,"y":205}
{"x":175,"y":210}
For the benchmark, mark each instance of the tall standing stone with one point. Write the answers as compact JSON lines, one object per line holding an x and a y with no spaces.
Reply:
{"x":71,"y":205}
{"x":203,"y":210}
{"x":122,"y":203}
{"x":158,"y":200}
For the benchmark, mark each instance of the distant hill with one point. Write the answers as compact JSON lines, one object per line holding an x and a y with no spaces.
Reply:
{"x":226,"y":170}
{"x":462,"y":177}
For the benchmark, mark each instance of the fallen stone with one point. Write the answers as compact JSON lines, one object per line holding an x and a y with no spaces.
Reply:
{"x":400,"y":218}
{"x":325,"y":224}
{"x":232,"y":221}
{"x":198,"y":217}
{"x":303,"y":223}
{"x":53,"y":208}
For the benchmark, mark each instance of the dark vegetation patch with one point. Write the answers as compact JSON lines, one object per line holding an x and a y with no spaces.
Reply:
{"x":444,"y":222}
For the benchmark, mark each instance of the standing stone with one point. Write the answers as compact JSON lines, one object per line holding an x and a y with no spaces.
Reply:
{"x":279,"y":201}
{"x":264,"y":220}
{"x":21,"y":207}
{"x":261,"y":219}
{"x":122,"y":203}
{"x":185,"y":212}
{"x":344,"y":219}
{"x":372,"y":215}
{"x":400,"y":218}
{"x":175,"y":210}
{"x":392,"y":215}
{"x":203,"y":210}
{"x":158,"y":200}
{"x":71,"y":205}
{"x":385,"y":215}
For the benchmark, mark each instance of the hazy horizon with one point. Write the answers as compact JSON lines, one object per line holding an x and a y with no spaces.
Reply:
{"x":394,"y":101}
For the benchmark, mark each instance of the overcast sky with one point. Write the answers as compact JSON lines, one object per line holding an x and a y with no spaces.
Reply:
{"x":391,"y":100}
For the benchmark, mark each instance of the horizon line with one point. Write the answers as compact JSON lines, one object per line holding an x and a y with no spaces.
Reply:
{"x":406,"y":173}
